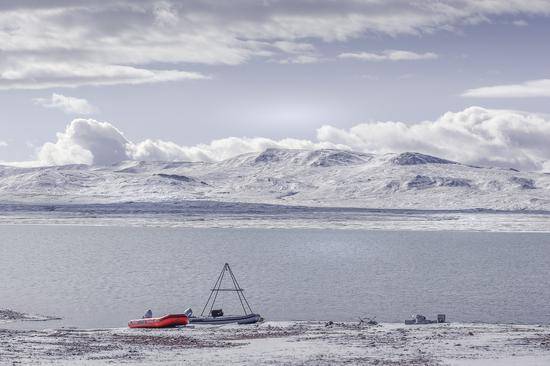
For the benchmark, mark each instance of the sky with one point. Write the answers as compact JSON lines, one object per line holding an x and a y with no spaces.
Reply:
{"x":96,"y":82}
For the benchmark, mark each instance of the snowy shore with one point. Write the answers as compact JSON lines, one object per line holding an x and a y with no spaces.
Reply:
{"x":302,"y":343}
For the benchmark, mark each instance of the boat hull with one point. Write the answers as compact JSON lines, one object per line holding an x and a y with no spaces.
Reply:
{"x":167,"y":321}
{"x":230,"y":319}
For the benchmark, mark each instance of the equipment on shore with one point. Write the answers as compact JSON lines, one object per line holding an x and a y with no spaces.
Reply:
{"x":167,"y":321}
{"x":216,"y":316}
{"x":421,"y":319}
{"x":367,"y":321}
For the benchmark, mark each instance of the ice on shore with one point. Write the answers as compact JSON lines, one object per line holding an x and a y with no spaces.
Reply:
{"x":211,"y":214}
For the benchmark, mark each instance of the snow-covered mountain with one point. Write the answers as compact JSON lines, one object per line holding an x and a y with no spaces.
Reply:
{"x":292,"y":177}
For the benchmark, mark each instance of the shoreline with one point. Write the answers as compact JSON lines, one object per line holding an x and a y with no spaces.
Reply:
{"x":283,"y":343}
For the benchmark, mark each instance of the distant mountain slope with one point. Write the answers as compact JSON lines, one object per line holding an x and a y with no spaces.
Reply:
{"x":292,"y":177}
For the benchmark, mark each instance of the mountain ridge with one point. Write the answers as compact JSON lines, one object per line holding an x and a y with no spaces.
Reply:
{"x":325,"y":177}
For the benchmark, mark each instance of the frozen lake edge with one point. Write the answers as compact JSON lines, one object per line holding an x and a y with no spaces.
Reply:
{"x":209,"y":214}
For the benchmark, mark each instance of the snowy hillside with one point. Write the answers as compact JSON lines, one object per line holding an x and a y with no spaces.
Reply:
{"x":291,"y":177}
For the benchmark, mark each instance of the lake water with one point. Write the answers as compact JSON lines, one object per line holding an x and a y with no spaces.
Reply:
{"x":103,"y":276}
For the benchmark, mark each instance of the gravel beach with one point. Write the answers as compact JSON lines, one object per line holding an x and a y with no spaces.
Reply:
{"x":282,"y":343}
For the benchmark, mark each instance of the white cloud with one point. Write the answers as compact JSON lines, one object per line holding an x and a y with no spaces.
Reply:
{"x":475,"y":136}
{"x":3,"y":144}
{"x":294,"y":47}
{"x":528,"y":89}
{"x":67,"y":44}
{"x":48,"y":75}
{"x":300,"y":53}
{"x":69,"y":105}
{"x":87,"y":141}
{"x":390,"y":55}
{"x":300,"y":59}
{"x":520,"y":23}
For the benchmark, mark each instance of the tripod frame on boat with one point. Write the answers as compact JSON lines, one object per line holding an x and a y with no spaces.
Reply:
{"x":217,"y":288}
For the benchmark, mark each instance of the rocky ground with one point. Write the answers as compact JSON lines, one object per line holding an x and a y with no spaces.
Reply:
{"x":288,"y":343}
{"x":7,"y":315}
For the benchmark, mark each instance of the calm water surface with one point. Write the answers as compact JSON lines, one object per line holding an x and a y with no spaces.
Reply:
{"x":103,"y":276}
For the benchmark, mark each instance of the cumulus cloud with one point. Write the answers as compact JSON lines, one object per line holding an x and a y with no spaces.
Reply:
{"x":87,"y":141}
{"x":528,"y":89}
{"x":390,"y":55}
{"x":57,"y":43}
{"x":69,"y":105}
{"x":475,"y":136}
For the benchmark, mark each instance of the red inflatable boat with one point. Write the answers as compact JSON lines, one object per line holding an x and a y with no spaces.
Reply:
{"x":170,"y":320}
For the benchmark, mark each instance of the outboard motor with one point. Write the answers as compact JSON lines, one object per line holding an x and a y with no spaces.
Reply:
{"x":188,"y":312}
{"x":420,"y":319}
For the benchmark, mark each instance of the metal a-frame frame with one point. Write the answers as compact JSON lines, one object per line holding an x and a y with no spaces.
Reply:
{"x":217,"y":288}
